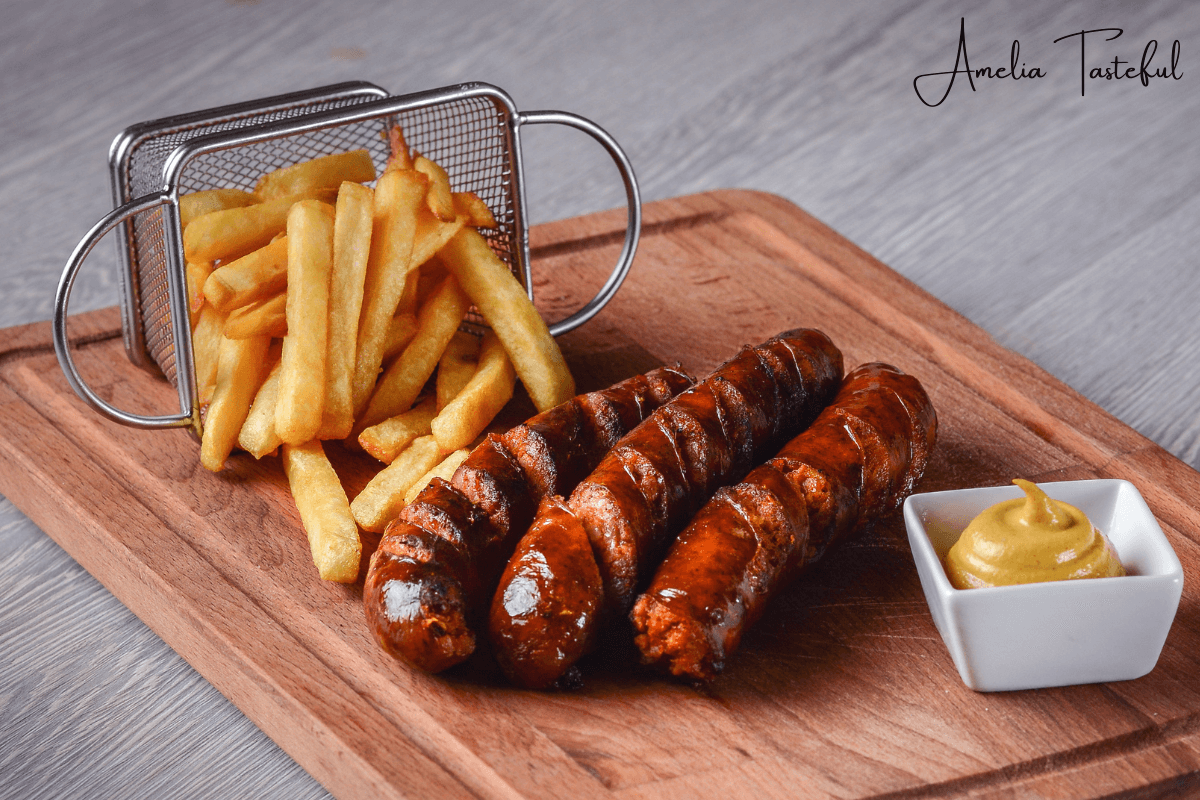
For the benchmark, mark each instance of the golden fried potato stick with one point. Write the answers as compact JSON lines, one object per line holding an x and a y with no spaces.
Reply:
{"x":233,"y":232}
{"x":398,"y":196}
{"x":476,"y":212}
{"x":256,"y":276}
{"x":197,"y":204}
{"x":257,"y":436}
{"x":468,"y":414}
{"x":432,"y":235}
{"x":403,"y":380}
{"x":206,"y":345}
{"x":438,"y":199}
{"x":456,"y":366}
{"x":387,"y":439}
{"x":302,"y":376}
{"x":381,"y":500}
{"x":197,"y":273}
{"x":443,"y":470}
{"x":262,"y":318}
{"x":408,"y":298}
{"x":239,"y":374}
{"x":353,"y":220}
{"x":326,"y":172}
{"x":429,"y":277}
{"x":503,"y":303}
{"x":400,"y":157}
{"x":400,"y":332}
{"x":324,"y":512}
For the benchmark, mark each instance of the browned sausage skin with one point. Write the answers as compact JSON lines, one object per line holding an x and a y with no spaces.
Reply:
{"x":655,"y":479}
{"x":550,"y":584}
{"x":431,"y":579}
{"x":659,"y":475}
{"x":862,"y":457}
{"x":413,"y":601}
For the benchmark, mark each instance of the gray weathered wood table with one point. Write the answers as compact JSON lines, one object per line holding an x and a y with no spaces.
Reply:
{"x":1064,"y":223}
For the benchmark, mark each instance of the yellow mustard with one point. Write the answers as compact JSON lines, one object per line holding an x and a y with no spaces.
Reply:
{"x":1030,"y":540}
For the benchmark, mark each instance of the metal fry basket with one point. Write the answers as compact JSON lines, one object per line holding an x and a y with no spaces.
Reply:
{"x":472,"y":130}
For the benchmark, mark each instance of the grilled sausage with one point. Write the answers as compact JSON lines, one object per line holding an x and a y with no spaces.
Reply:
{"x":433,"y":575}
{"x":652,"y":482}
{"x":550,"y":584}
{"x":860,"y":459}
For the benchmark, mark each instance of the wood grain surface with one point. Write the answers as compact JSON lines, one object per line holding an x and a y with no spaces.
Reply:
{"x":1065,"y":226}
{"x":844,"y":689}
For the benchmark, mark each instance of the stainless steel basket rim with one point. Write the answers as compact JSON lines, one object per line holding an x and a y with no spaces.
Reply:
{"x":131,"y":136}
{"x":362,"y":112}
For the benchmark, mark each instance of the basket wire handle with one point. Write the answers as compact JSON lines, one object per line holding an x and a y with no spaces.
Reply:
{"x":633,"y":227}
{"x":59,"y":324}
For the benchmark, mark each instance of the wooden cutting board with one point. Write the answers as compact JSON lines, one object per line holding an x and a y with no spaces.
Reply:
{"x":844,"y":689}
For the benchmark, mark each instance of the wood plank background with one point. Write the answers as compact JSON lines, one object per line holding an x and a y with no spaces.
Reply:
{"x":1064,"y":225}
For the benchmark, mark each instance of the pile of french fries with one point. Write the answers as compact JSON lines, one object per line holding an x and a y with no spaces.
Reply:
{"x":322,"y":307}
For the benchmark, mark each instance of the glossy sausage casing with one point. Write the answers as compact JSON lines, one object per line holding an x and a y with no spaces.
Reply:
{"x":859,"y":459}
{"x":550,"y":584}
{"x":430,"y":581}
{"x":659,"y":475}
{"x":644,"y":491}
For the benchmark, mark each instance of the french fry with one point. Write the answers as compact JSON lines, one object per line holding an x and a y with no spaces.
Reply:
{"x":429,"y":277}
{"x":432,"y":235}
{"x":197,"y":274}
{"x":400,"y":158}
{"x":239,"y":374}
{"x":438,"y":199}
{"x":403,"y":380}
{"x":263,"y":318}
{"x":351,"y":250}
{"x":219,"y":235}
{"x":387,"y":439}
{"x":257,"y":436}
{"x":398,"y":196}
{"x":400,"y":332}
{"x":381,"y":500}
{"x":456,"y":366}
{"x":197,"y":204}
{"x":443,"y":470}
{"x":408,"y":298}
{"x":503,"y":303}
{"x":476,"y":212}
{"x":468,"y":414}
{"x":326,"y":172}
{"x":252,"y":277}
{"x":206,"y":345}
{"x":324,"y":512}
{"x":302,"y":375}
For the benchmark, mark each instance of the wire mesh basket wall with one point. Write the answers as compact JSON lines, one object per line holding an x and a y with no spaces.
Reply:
{"x":471,"y":130}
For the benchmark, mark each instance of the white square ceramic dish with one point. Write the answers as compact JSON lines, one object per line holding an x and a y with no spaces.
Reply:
{"x":1062,"y":632}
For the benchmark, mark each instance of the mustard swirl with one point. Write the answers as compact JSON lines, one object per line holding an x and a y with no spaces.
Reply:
{"x":1030,"y":540}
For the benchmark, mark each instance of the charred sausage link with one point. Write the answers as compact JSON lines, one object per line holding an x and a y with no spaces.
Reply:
{"x":658,"y":476}
{"x":861,"y":458}
{"x":549,"y":586}
{"x":654,"y":480}
{"x":435,"y":570}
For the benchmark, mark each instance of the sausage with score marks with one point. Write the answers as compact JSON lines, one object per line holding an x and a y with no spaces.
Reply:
{"x":437,"y":565}
{"x":859,"y":460}
{"x":544,"y":617}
